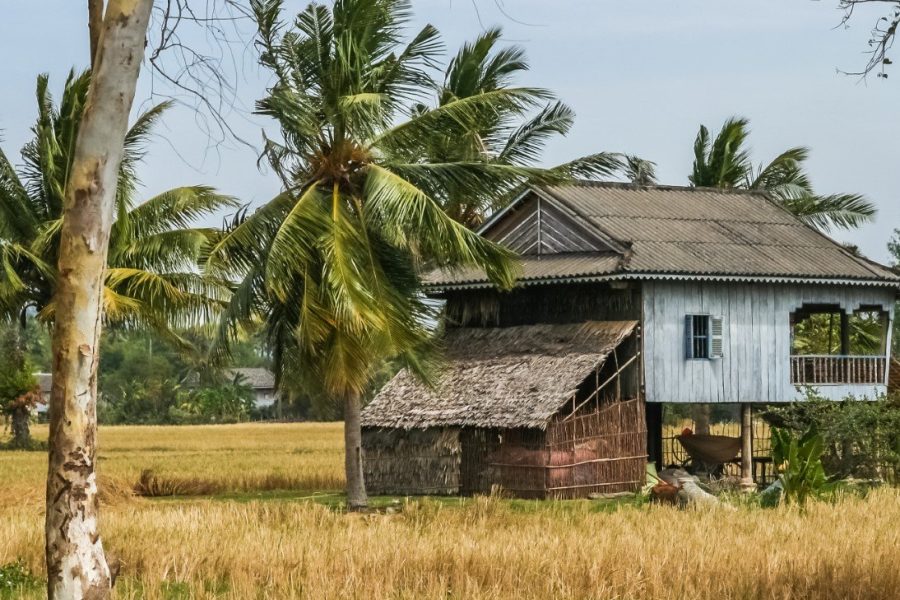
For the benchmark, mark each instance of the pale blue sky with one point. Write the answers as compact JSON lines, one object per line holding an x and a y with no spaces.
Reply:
{"x":642,"y":76}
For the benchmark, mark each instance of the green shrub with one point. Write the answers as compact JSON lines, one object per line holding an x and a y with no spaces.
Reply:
{"x":860,"y":438}
{"x":798,"y":462}
{"x":15,"y":578}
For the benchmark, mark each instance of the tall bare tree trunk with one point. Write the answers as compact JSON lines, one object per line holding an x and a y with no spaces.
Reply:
{"x":76,"y":564}
{"x":353,"y":465}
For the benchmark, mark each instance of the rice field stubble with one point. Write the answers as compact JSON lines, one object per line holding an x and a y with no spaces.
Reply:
{"x":483,"y":548}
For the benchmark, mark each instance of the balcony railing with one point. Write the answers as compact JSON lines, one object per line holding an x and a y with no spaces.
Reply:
{"x":823,"y":369}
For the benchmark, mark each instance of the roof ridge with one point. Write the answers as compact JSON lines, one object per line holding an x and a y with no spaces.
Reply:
{"x":794,"y":223}
{"x":658,"y":186}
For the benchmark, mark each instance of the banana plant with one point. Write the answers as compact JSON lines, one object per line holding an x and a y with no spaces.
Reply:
{"x":799,"y":465}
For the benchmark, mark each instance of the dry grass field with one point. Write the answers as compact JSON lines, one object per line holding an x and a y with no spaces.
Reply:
{"x":248,"y":540}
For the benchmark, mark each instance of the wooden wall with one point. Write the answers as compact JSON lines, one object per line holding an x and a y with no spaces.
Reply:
{"x":757,"y":339}
{"x":558,"y":303}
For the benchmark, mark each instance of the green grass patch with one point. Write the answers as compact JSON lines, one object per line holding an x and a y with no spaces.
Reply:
{"x":16,"y":581}
{"x":336,"y":500}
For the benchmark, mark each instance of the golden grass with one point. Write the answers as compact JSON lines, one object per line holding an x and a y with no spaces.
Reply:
{"x":199,"y":459}
{"x":484,"y":548}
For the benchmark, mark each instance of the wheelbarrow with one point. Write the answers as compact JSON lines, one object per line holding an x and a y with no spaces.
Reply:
{"x":709,"y":452}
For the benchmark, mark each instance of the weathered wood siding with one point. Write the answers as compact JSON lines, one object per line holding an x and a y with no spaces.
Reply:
{"x":559,"y":303}
{"x":757,"y":339}
{"x":538,"y":227}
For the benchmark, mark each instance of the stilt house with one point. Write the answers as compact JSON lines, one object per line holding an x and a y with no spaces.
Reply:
{"x":629,"y":297}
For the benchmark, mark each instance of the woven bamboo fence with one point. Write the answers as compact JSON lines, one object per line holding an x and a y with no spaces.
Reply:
{"x":600,"y":450}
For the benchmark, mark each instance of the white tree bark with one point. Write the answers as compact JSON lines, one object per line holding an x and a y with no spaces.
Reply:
{"x":76,"y":564}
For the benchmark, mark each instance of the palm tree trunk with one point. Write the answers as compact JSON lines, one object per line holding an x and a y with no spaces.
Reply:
{"x":76,"y":562}
{"x":20,"y":427}
{"x":353,"y":459}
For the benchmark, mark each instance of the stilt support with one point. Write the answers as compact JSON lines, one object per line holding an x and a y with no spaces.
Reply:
{"x":747,"y":483}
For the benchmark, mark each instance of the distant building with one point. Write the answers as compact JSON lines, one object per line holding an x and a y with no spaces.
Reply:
{"x":261,"y":380}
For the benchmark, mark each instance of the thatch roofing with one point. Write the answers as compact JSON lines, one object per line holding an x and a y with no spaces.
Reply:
{"x":677,"y":232}
{"x":499,"y":377}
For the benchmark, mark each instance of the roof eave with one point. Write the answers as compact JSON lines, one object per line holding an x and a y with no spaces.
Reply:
{"x":433,"y":289}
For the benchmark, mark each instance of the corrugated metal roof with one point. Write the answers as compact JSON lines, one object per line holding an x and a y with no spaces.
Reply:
{"x":499,"y":377}
{"x":688,"y":231}
{"x":256,"y":377}
{"x":547,"y":266}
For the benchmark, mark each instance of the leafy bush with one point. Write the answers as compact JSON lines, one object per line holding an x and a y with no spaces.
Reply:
{"x":16,"y":578}
{"x":19,"y":390}
{"x":861,"y":438}
{"x":798,"y":462}
{"x":228,"y":402}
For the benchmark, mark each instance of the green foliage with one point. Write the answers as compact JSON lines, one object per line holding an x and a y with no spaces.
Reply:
{"x":146,"y":378}
{"x":152,"y":280}
{"x":861,"y":438}
{"x":676,"y":414}
{"x":16,"y":578}
{"x":509,"y":136}
{"x":16,"y":375}
{"x":226,"y":402}
{"x":332,"y":264}
{"x":19,"y":390}
{"x":724,"y":162}
{"x":798,"y":461}
{"x":820,"y":333}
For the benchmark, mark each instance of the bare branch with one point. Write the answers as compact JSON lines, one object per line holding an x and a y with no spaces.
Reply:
{"x":882,"y":36}
{"x":204,"y":79}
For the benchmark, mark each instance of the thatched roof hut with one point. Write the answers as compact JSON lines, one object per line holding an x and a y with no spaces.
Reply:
{"x":500,"y":377}
{"x":519,"y":407}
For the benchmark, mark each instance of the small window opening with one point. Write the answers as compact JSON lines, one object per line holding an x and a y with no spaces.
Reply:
{"x":700,"y":336}
{"x":703,"y":336}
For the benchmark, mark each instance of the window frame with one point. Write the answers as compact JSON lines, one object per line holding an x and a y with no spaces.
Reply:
{"x":707,"y":345}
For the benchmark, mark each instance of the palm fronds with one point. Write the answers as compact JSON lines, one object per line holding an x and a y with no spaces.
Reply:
{"x":725,"y":163}
{"x":154,"y":249}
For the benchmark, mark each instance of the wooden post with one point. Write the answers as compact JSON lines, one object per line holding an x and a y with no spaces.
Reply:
{"x":845,"y":333}
{"x":747,"y":483}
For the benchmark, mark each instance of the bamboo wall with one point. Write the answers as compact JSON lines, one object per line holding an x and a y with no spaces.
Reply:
{"x":599,"y":450}
{"x":412,"y":462}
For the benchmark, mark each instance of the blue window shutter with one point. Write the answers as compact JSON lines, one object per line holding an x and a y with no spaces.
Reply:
{"x":716,"y":346}
{"x":689,"y":336}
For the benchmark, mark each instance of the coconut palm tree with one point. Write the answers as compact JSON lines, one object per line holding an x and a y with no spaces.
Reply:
{"x":152,"y":279}
{"x":724,"y":162}
{"x":331,"y":265}
{"x":507,"y":136}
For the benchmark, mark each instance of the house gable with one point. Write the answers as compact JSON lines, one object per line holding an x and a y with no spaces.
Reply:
{"x":536,"y":225}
